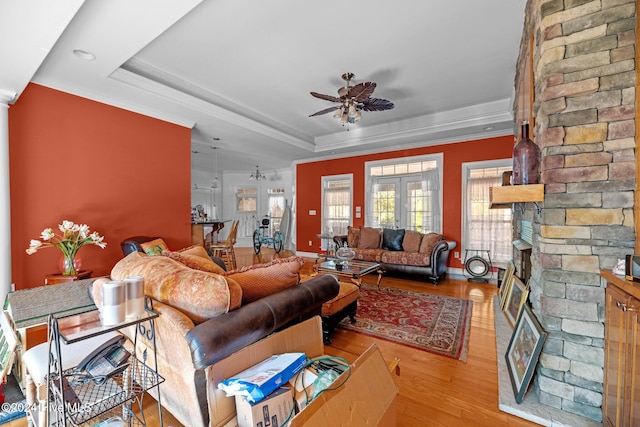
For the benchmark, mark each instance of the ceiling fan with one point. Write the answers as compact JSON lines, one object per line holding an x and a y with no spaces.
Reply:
{"x":352,"y":100}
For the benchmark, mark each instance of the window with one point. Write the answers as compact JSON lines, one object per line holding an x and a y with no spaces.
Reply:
{"x":336,"y":204}
{"x":276,"y":207}
{"x":484,"y":228}
{"x":405,"y":193}
{"x":247,"y":200}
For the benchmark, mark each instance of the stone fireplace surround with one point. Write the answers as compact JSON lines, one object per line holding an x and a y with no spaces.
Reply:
{"x":583,"y":86}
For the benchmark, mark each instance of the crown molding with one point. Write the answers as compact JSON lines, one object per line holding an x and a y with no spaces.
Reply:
{"x":7,"y":96}
{"x":207,"y":108}
{"x":442,"y":126}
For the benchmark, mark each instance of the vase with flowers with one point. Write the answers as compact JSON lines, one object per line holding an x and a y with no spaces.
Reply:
{"x":72,"y":237}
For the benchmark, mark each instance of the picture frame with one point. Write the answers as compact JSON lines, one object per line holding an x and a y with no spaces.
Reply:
{"x":523,"y":351}
{"x":516,"y":298}
{"x":507,"y":281}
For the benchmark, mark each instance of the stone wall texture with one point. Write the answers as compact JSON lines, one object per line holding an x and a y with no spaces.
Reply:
{"x":584,"y":110}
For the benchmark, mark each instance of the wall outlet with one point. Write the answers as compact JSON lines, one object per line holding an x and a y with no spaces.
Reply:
{"x":310,"y":243}
{"x":456,"y":254}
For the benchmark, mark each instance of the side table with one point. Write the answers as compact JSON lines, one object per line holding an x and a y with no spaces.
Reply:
{"x":54,"y":279}
{"x":29,"y":309}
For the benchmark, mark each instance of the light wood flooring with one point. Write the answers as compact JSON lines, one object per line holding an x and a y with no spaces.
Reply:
{"x":433,"y":390}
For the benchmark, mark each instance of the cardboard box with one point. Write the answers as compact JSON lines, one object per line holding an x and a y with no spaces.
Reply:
{"x":270,"y":411}
{"x":260,"y":380}
{"x":302,"y":385}
{"x":368,"y":397}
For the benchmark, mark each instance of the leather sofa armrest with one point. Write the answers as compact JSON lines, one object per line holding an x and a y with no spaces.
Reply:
{"x":222,"y":336}
{"x":132,"y":244}
{"x":440,"y":255}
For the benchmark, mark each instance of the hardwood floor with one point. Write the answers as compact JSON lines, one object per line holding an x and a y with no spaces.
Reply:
{"x":433,"y":390}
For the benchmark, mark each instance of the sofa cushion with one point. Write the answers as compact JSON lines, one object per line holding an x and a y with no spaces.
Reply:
{"x":196,"y":250}
{"x":412,"y":240}
{"x":198,"y":294}
{"x":369,"y":238}
{"x":353,"y":237}
{"x":154,"y":247}
{"x":260,"y":280}
{"x":369,"y":255}
{"x":196,"y":262}
{"x":348,"y":294}
{"x":429,"y":241}
{"x":392,"y":239}
{"x":406,"y":258}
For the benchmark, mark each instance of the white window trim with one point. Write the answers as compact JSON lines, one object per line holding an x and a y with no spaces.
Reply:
{"x":437,"y":157}
{"x":326,"y":178}
{"x":465,"y":173}
{"x":257,"y":197}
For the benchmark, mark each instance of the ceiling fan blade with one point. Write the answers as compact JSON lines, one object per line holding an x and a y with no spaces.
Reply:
{"x":362,"y":91}
{"x":325,"y":111}
{"x":326,"y":97}
{"x":377,"y":104}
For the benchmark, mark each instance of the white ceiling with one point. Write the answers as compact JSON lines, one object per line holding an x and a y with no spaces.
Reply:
{"x":242,"y":70}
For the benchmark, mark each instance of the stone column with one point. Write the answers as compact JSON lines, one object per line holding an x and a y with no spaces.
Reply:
{"x":5,"y":204}
{"x":584,"y":109}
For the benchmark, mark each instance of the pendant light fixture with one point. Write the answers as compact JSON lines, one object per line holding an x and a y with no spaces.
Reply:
{"x":257,"y":175}
{"x":215,"y":179}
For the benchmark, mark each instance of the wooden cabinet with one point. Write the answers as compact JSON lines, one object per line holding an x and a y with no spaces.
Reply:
{"x":622,"y":352}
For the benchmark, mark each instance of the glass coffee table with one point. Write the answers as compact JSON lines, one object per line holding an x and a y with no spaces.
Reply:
{"x":354,"y":270}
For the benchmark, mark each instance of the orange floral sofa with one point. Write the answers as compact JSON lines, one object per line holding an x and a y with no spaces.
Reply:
{"x":207,"y":314}
{"x":399,"y":250}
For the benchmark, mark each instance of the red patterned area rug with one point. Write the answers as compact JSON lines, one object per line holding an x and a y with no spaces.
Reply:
{"x":434,"y":323}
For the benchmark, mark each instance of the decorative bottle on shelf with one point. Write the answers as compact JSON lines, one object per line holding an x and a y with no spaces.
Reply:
{"x":526,"y":159}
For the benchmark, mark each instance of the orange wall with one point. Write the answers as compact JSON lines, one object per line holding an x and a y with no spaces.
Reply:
{"x":309,"y":182}
{"x":121,"y":173}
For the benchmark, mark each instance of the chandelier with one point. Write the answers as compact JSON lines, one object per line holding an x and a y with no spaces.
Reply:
{"x":257,"y":175}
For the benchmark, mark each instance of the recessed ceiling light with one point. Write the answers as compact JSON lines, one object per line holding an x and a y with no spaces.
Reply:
{"x":83,"y":54}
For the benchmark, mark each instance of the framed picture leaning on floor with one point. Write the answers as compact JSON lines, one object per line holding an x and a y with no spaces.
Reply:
{"x":516,"y":298}
{"x":507,"y":281}
{"x":523,"y":351}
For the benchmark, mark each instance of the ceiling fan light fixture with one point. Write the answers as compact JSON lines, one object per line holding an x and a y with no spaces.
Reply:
{"x":352,"y":100}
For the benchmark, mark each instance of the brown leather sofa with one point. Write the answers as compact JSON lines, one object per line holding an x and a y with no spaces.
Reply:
{"x":186,"y":351}
{"x":429,"y":263}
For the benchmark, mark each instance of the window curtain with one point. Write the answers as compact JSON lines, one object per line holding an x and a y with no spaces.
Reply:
{"x":336,"y":215}
{"x":487,"y":229}
{"x":430,"y":180}
{"x":372,"y":188}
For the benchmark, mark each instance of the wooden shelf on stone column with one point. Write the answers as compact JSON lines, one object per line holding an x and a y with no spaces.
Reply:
{"x":502,"y":197}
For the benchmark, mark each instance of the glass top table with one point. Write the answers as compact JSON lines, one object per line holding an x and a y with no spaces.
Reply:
{"x":354,"y":270}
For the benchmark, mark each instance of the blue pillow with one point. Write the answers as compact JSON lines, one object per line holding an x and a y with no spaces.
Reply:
{"x":392,"y":239}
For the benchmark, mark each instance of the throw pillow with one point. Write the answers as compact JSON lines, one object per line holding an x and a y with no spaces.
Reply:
{"x":369,"y":238}
{"x":197,"y":250}
{"x":260,"y":280}
{"x":198,"y":294}
{"x":195,"y":261}
{"x":154,"y":247}
{"x":429,"y":241}
{"x":353,"y":237}
{"x":392,"y":239}
{"x":412,"y":240}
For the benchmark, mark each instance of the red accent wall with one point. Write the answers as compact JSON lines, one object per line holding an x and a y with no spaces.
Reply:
{"x":122,"y":173}
{"x":309,"y":182}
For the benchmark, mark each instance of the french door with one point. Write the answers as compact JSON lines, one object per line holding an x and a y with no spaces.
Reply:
{"x":400,"y":202}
